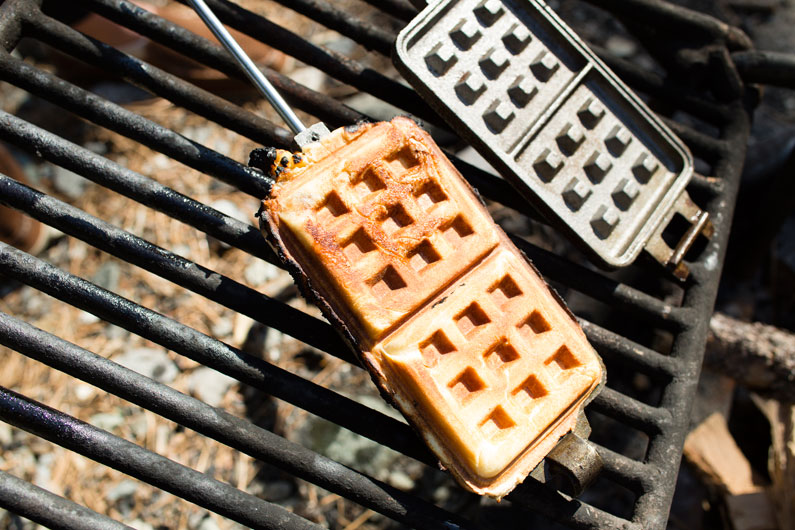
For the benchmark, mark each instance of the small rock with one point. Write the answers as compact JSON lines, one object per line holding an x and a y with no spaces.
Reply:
{"x":182,"y":251}
{"x":347,"y":448}
{"x":99,"y":148}
{"x":44,"y":470}
{"x":231,"y":209}
{"x":260,"y":272}
{"x":210,"y":386}
{"x":112,"y":331}
{"x":84,"y":317}
{"x":222,"y":328}
{"x":6,"y":435}
{"x":149,"y":362}
{"x":309,"y":77}
{"x":138,"y":426}
{"x":125,"y":488}
{"x":107,"y":276}
{"x":68,"y":183}
{"x":401,"y":480}
{"x":84,"y":392}
{"x":107,"y":421}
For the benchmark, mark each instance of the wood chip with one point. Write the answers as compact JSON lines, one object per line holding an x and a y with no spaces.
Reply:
{"x":711,"y":448}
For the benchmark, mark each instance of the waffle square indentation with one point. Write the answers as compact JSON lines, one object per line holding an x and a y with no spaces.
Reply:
{"x":369,"y":182}
{"x":333,"y":205}
{"x":471,"y":318}
{"x":531,"y":388}
{"x":423,"y":255}
{"x":496,"y":422}
{"x":441,"y":58}
{"x":500,"y":355}
{"x":517,"y":38}
{"x":591,"y":113}
{"x":434,"y":347}
{"x":489,"y":11}
{"x":498,"y":115}
{"x":645,"y":166}
{"x":494,"y":62}
{"x":576,"y":193}
{"x":564,"y":359}
{"x":535,"y":322}
{"x":544,"y":66}
{"x":386,"y":281}
{"x":358,"y":245}
{"x":625,"y":193}
{"x":604,"y":221}
{"x":502,"y":291}
{"x":466,"y":384}
{"x":617,"y":140}
{"x":465,"y":33}
{"x":522,"y":90}
{"x":428,"y":194}
{"x":457,"y":229}
{"x":395,"y":218}
{"x":470,"y":87}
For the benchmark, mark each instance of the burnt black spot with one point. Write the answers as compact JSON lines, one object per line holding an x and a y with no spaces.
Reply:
{"x":284,"y":161}
{"x":262,"y":158}
{"x":439,"y":302}
{"x":296,"y":158}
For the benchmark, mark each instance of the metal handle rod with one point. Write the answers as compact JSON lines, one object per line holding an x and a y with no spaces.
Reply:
{"x":249,"y":68}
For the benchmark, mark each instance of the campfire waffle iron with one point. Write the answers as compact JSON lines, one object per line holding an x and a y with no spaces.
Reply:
{"x":456,"y":328}
{"x":557,"y":123}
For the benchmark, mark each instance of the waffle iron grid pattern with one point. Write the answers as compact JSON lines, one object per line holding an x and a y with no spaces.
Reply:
{"x":540,"y":107}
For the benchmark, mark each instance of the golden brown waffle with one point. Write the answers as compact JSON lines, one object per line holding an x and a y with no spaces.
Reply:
{"x":452,"y":322}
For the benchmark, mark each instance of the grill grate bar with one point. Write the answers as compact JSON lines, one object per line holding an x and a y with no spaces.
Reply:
{"x":651,"y":420}
{"x":572,"y":512}
{"x":99,"y":445}
{"x":602,"y":288}
{"x":223,"y":358}
{"x":247,"y":238}
{"x":330,"y":62}
{"x":224,"y":290}
{"x":588,"y":282}
{"x":65,"y":39}
{"x":80,"y":160}
{"x":629,"y":473}
{"x":210,"y":352}
{"x":221,"y":426}
{"x":613,"y":346}
{"x":702,"y":145}
{"x":116,"y":118}
{"x":155,"y":80}
{"x":172,"y":267}
{"x":401,"y":9}
{"x":370,"y":36}
{"x":657,"y":86}
{"x":43,"y":507}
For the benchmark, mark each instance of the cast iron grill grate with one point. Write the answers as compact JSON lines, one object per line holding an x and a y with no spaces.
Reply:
{"x":721,"y":103}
